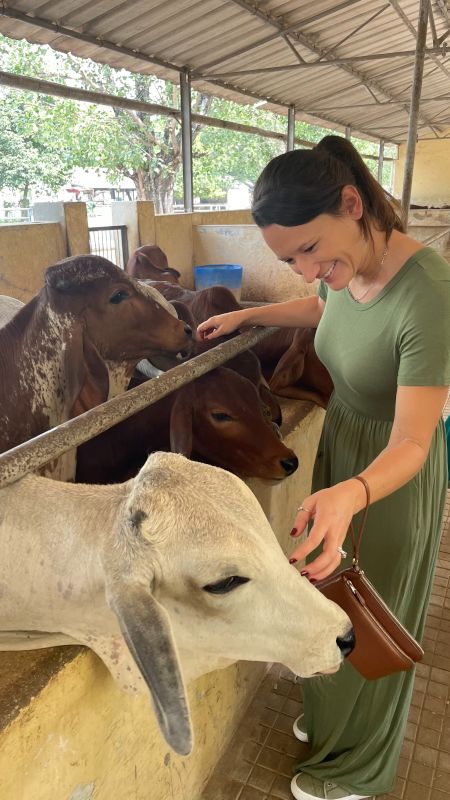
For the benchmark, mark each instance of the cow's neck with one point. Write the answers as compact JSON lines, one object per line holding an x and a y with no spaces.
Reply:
{"x":52,"y":540}
{"x":119,"y":377}
{"x":32,"y":383}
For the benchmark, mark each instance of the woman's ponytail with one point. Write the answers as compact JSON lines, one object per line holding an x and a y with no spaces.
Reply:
{"x":379,"y":205}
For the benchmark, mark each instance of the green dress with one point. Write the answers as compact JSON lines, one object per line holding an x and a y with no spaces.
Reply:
{"x":402,"y":337}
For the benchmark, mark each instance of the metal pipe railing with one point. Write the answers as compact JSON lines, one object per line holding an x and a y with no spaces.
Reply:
{"x":37,"y":452}
{"x":436,"y":236}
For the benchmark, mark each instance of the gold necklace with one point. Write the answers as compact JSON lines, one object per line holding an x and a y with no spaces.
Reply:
{"x":362,"y":296}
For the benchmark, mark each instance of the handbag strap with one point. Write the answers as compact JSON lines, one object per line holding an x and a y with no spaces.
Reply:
{"x":356,"y":538}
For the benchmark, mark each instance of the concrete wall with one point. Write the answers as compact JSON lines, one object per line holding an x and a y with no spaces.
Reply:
{"x":431,"y":178}
{"x":265,"y":278}
{"x":68,"y":733}
{"x":175,"y":234}
{"x":426,"y":224}
{"x":26,"y":251}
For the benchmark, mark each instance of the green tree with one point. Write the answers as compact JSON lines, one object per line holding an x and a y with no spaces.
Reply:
{"x":35,"y":133}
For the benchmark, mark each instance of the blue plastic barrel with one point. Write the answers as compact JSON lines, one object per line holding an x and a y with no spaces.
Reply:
{"x":229,"y":275}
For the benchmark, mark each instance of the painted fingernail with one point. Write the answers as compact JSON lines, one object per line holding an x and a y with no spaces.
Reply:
{"x":312,"y":580}
{"x":293,"y":560}
{"x":293,"y":532}
{"x":305,"y":573}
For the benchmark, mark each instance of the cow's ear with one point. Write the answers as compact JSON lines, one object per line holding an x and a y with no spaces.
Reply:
{"x":146,"y":628}
{"x":181,"y":421}
{"x":271,"y":403}
{"x":86,"y":376}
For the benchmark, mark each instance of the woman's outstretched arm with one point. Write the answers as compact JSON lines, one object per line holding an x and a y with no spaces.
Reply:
{"x":304,"y":312}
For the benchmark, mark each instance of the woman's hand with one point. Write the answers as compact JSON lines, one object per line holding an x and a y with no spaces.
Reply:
{"x":332,"y":511}
{"x":220,"y":325}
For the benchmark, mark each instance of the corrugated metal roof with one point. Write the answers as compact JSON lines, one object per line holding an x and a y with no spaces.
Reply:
{"x":277,"y":50}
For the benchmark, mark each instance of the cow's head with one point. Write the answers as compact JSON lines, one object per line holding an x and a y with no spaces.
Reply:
{"x":197,"y":580}
{"x":150,"y":262}
{"x":219,"y":418}
{"x":125,"y":321}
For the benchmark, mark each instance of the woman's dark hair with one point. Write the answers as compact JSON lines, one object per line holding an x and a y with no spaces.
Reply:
{"x":297,"y":186}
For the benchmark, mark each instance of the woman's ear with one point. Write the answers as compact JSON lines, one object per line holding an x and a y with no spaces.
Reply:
{"x":351,"y":202}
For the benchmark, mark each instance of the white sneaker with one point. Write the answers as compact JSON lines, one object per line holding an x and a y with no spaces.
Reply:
{"x":305,"y":787}
{"x":299,"y":729}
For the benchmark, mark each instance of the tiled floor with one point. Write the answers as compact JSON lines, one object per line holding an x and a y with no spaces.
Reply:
{"x":259,"y":763}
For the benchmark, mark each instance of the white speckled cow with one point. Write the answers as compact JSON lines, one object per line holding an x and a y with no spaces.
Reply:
{"x":170,"y":575}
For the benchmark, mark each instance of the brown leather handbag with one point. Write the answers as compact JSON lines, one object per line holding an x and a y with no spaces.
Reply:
{"x":383,"y":645}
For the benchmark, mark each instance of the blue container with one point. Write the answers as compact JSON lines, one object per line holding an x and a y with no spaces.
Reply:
{"x":229,"y":275}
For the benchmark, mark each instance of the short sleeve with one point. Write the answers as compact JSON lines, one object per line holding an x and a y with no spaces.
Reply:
{"x":424,"y":341}
{"x":322,"y":291}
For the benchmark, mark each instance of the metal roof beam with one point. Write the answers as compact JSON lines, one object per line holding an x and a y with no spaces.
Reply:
{"x":396,"y":6}
{"x":327,"y":63}
{"x":356,"y":30}
{"x":432,"y":26}
{"x":296,"y":53}
{"x":312,"y":47}
{"x":282,"y":30}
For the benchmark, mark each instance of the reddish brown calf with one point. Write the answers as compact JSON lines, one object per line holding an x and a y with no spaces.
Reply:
{"x":150,"y":262}
{"x":217,"y":419}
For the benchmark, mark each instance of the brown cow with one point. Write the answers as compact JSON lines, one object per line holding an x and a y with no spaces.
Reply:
{"x":150,"y":262}
{"x":288,"y":358}
{"x":56,"y":349}
{"x":217,"y":419}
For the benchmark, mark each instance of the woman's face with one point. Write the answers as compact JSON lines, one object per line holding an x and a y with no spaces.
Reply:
{"x":330,"y":248}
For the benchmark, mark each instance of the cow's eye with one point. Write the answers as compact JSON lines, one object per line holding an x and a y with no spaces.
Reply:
{"x":226,"y":585}
{"x":117,"y":297}
{"x":220,"y":416}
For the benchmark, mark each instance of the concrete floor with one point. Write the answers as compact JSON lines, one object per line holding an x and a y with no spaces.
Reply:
{"x":259,"y":762}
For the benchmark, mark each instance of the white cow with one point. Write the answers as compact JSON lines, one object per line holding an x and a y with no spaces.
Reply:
{"x":168,"y":576}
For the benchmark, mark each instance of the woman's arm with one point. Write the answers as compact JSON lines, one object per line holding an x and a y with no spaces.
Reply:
{"x":417,"y":412}
{"x":302,"y":313}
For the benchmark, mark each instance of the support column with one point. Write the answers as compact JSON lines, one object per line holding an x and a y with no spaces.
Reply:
{"x":291,"y":128}
{"x":186,"y":137}
{"x":380,"y":162}
{"x":414,"y":109}
{"x":348,"y":132}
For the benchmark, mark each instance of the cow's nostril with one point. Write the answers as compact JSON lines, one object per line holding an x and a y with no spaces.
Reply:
{"x":346,"y":643}
{"x":188,"y":330}
{"x":289,"y":464}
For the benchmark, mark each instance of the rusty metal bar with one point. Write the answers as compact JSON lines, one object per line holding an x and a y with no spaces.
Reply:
{"x":37,"y":452}
{"x":435,"y":237}
{"x":414,"y":109}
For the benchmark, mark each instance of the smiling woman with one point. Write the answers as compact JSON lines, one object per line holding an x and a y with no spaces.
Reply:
{"x":383,"y":331}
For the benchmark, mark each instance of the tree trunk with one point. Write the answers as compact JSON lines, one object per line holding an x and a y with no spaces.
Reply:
{"x":24,"y":201}
{"x":155,"y":187}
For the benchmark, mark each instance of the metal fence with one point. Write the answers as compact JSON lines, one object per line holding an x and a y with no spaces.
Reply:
{"x":35,"y":453}
{"x":110,"y":241}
